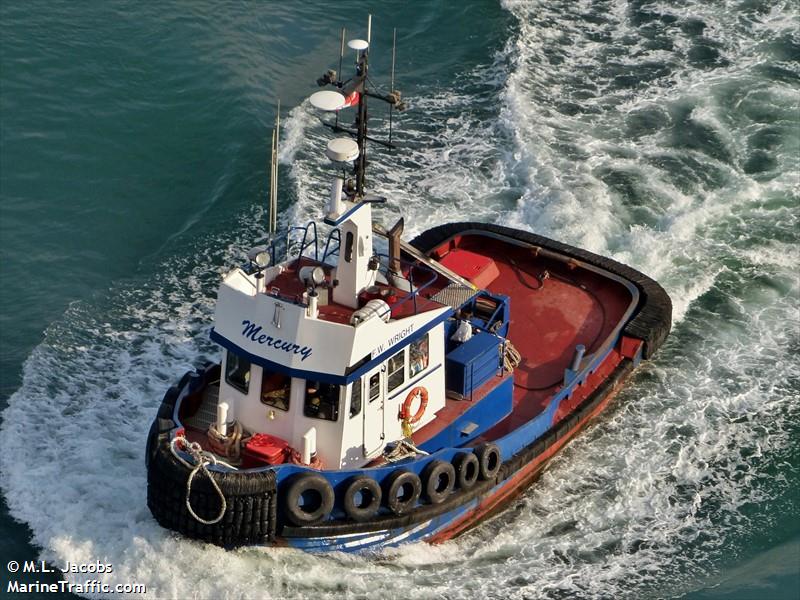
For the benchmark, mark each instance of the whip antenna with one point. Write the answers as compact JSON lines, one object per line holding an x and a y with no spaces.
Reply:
{"x":391,"y":84}
{"x":339,"y":75}
{"x":273,"y":179}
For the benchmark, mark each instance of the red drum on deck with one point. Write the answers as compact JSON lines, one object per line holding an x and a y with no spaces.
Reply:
{"x":264,"y":449}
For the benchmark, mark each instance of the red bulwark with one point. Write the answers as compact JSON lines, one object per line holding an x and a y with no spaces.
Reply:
{"x":630,"y":347}
{"x":480,"y":270}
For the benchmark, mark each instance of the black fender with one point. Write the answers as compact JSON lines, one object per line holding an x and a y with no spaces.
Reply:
{"x":467,"y":469}
{"x":403,"y":488}
{"x":438,"y":480}
{"x":489,"y":460}
{"x":308,"y":498}
{"x":369,"y":492}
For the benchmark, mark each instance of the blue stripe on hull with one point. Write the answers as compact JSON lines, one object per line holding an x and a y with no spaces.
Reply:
{"x":377,"y":540}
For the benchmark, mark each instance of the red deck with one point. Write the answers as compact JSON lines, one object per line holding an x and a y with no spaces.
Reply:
{"x":288,"y":286}
{"x":550,"y":315}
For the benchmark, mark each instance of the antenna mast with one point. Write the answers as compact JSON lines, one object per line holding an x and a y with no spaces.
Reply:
{"x":273,"y":180}
{"x":353,"y":92}
{"x":391,"y":83}
{"x":339,"y":74}
{"x":362,"y":70}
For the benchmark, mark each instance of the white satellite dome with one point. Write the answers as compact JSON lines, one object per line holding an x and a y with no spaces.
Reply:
{"x":342,"y":149}
{"x":358,"y":44}
{"x":327,"y":100}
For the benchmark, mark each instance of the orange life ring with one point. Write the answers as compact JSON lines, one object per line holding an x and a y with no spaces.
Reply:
{"x":405,"y":411}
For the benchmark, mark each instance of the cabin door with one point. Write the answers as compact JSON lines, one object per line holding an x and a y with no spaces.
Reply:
{"x":375,"y":392}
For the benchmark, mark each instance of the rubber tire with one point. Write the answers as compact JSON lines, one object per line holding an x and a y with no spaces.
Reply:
{"x":489,"y":459}
{"x":152,"y":444}
{"x":467,"y":468}
{"x":297,"y":486}
{"x":361,"y":484}
{"x":251,"y":500}
{"x":431,"y":476}
{"x":397,"y":480}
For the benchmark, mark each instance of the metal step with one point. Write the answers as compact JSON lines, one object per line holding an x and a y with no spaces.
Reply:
{"x":454,"y":295}
{"x":207,"y":413}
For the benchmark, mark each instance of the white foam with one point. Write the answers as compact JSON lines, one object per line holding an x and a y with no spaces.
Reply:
{"x":645,"y":503}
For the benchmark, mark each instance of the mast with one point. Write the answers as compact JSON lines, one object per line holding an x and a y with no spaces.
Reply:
{"x":273,"y":176}
{"x":362,"y":69}
{"x":341,"y":56}
{"x":391,"y":82}
{"x":353,"y":92}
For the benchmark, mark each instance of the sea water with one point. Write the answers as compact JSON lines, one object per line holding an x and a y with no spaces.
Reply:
{"x":134,"y":173}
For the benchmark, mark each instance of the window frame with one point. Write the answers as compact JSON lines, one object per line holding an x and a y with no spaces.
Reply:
{"x":377,"y":376}
{"x":390,"y":385}
{"x":358,"y":384}
{"x":246,"y":376}
{"x":416,"y":344}
{"x":271,"y":402}
{"x":349,"y":243}
{"x":335,"y":406}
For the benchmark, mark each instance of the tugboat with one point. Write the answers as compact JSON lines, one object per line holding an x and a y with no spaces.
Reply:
{"x":365,"y":400}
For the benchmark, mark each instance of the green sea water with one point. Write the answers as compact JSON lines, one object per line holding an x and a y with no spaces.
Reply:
{"x":134,"y":144}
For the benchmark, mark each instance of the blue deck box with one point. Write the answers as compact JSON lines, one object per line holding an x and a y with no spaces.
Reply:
{"x":472,"y":363}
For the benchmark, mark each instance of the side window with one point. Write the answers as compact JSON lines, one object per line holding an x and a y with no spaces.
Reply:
{"x":322,"y":401}
{"x":355,"y":398}
{"x":418,"y":356}
{"x":348,"y":246}
{"x":397,"y":373}
{"x":237,"y":372}
{"x":374,"y":387}
{"x":275,"y":388}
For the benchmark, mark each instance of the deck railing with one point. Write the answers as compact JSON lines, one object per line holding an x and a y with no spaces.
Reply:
{"x":415,"y":287}
{"x":416,"y":276}
{"x":307,"y":241}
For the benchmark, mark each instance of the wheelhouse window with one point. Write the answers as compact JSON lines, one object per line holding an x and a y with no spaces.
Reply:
{"x":275,"y":389}
{"x":237,"y":372}
{"x":418,"y":356}
{"x":355,"y":398}
{"x":322,"y":401}
{"x":397,"y":374}
{"x":374,"y":387}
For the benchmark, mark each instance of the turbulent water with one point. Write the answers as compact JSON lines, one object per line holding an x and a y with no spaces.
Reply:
{"x":663,"y":134}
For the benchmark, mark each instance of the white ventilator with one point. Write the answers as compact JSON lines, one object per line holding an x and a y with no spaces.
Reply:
{"x":309,"y":445}
{"x":222,"y":418}
{"x":335,"y":206}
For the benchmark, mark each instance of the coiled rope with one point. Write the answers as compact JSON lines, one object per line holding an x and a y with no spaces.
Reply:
{"x":403,"y":449}
{"x":201,"y":459}
{"x":297,"y":459}
{"x":229,"y":446}
{"x":511,"y":356}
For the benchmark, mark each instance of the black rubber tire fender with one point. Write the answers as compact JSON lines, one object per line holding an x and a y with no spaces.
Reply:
{"x":152,"y":443}
{"x":321,"y":498}
{"x":489,"y":459}
{"x":438,"y":480}
{"x":371,"y":496}
{"x":467,"y":469}
{"x":403,"y":488}
{"x":186,"y":377}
